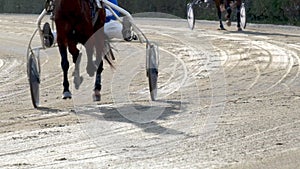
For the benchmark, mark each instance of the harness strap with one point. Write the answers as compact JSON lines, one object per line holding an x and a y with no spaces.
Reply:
{"x":95,"y":5}
{"x":99,"y":5}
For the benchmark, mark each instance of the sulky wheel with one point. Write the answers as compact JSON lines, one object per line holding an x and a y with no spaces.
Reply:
{"x":152,"y":69}
{"x":243,"y":16}
{"x":34,"y":80}
{"x":190,"y":16}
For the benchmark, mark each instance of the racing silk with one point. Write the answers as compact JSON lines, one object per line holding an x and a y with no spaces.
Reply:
{"x":109,"y":15}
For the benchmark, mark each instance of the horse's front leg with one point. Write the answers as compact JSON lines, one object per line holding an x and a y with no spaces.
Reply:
{"x":65,"y":68}
{"x":218,"y":3}
{"x":238,"y":14}
{"x":100,"y":51}
{"x":97,"y":87}
{"x":228,"y":10}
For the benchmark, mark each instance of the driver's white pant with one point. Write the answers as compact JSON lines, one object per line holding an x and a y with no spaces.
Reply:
{"x":113,"y":29}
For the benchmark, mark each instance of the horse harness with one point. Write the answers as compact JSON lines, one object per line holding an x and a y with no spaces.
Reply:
{"x":95,"y":5}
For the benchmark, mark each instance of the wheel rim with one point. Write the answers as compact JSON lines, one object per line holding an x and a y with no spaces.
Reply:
{"x":190,"y":16}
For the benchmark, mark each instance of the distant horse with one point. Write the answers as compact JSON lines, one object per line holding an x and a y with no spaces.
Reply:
{"x":228,"y":9}
{"x":74,"y":24}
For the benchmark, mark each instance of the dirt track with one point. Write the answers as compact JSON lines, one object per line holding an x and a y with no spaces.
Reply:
{"x":227,"y":99}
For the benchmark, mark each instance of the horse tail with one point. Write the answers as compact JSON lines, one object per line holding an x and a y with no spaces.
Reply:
{"x":109,"y":57}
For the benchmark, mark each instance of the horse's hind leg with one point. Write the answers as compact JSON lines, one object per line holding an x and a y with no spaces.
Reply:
{"x":228,"y":15}
{"x":97,"y":87}
{"x":100,"y":51}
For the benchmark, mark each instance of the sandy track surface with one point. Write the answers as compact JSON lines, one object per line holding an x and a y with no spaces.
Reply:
{"x":227,"y":99}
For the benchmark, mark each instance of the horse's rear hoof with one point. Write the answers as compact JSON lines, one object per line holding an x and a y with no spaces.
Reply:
{"x":222,"y":28}
{"x":228,"y":22}
{"x":239,"y":29}
{"x":66,"y":95}
{"x":97,"y":96}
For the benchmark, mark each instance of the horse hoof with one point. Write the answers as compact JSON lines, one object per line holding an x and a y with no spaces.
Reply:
{"x":239,"y":29}
{"x":97,"y":96}
{"x":228,"y":22}
{"x":222,"y":28}
{"x":66,"y":95}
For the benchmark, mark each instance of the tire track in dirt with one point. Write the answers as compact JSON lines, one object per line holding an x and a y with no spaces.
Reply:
{"x":16,"y":108}
{"x":287,"y":63}
{"x":278,"y":71}
{"x":259,"y":121}
{"x":169,"y":48}
{"x":49,"y":81}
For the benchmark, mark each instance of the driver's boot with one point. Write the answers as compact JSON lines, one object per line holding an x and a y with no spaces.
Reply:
{"x":47,"y":35}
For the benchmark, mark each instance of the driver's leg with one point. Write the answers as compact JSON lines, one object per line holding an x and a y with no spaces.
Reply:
{"x":127,"y":30}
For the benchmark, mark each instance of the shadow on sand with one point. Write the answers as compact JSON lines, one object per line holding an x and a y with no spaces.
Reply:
{"x":110,"y":113}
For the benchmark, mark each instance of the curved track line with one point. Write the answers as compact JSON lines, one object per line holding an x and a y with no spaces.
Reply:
{"x":1,"y":63}
{"x":292,"y":54}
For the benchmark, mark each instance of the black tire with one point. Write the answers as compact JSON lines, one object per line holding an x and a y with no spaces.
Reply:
{"x":152,"y":77}
{"x":34,"y":81}
{"x":243,"y":16}
{"x":190,"y":16}
{"x":152,"y":70}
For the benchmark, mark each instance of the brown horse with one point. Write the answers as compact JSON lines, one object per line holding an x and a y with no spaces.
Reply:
{"x":228,"y":8}
{"x":74,"y":24}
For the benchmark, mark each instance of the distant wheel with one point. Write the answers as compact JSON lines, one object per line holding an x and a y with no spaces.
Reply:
{"x":152,"y":69}
{"x":243,"y":16}
{"x":190,"y":16}
{"x":34,"y":80}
